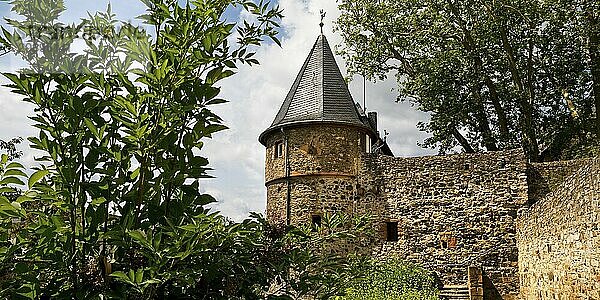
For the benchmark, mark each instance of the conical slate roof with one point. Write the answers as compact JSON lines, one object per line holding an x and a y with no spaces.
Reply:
{"x":319,"y":94}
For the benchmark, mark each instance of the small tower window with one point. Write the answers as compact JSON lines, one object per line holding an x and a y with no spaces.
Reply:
{"x":278,"y":149}
{"x":365,"y":143}
{"x":316,"y":222}
{"x":392,"y":231}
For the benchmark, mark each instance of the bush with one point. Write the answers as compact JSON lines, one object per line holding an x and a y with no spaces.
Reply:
{"x":390,"y":279}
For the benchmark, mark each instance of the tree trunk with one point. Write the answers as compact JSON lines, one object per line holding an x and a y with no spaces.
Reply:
{"x":471,"y":48}
{"x":500,"y":112}
{"x":529,"y":140}
{"x":483,"y":123}
{"x":462,"y":140}
{"x":594,"y":45}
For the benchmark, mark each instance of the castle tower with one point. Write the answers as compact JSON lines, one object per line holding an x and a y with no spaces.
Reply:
{"x":314,"y":143}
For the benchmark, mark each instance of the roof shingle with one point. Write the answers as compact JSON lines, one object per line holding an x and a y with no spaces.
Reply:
{"x":319,"y":94}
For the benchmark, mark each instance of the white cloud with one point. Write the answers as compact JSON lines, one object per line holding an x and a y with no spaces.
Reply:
{"x":14,"y":122}
{"x":256,"y":94}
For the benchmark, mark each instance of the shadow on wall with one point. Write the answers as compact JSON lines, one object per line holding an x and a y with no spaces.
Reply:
{"x":538,"y":185}
{"x":490,"y":292}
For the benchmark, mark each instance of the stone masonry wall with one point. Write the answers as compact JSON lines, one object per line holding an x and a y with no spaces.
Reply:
{"x":559,"y":240}
{"x":544,"y":178}
{"x":323,"y":162}
{"x":328,"y":150}
{"x":452,"y":211}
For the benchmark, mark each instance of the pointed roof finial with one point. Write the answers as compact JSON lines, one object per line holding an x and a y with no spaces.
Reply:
{"x":322,"y":17}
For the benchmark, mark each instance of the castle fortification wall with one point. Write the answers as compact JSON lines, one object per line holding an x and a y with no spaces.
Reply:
{"x":452,"y":211}
{"x":559,"y":240}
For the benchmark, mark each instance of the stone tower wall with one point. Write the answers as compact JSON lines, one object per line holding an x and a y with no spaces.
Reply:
{"x":323,"y":162}
{"x":559,"y":240}
{"x":468,"y":201}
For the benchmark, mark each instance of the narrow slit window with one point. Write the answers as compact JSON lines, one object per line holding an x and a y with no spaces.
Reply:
{"x":392,"y":231}
{"x":278,"y":149}
{"x":316,"y":222}
{"x":365,"y":142}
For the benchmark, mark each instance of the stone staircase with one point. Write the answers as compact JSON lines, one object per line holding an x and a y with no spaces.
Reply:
{"x":454,"y":292}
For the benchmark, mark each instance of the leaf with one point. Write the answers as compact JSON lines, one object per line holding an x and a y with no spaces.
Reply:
{"x":140,"y":237}
{"x":91,"y":127}
{"x":35,"y":177}
{"x":189,"y":227}
{"x":213,"y":128}
{"x":22,"y":199}
{"x":98,"y":201}
{"x":15,"y":172}
{"x":21,"y":268}
{"x":135,"y":173}
{"x":139,"y":276}
{"x":122,"y":276}
{"x":276,"y":40}
{"x":11,"y":180}
{"x":6,"y":190}
{"x":15,"y":165}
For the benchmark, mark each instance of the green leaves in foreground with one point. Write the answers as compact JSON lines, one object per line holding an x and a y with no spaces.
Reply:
{"x":118,"y":212}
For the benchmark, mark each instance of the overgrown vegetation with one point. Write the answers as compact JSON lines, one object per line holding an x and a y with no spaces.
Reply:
{"x":390,"y":279}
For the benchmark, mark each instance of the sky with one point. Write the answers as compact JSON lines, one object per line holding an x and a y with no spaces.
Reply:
{"x":255,"y":94}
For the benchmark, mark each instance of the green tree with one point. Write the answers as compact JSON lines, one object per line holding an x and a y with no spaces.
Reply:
{"x":115,"y":209}
{"x":492,"y":75}
{"x":10,"y":147}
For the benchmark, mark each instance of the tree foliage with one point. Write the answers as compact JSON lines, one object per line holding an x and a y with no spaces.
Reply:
{"x":492,"y":75}
{"x":116,"y":211}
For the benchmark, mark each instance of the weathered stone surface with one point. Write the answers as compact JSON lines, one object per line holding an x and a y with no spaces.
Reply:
{"x":468,"y":199}
{"x":468,"y":202}
{"x":559,"y":239}
{"x":314,"y":150}
{"x":323,"y":162}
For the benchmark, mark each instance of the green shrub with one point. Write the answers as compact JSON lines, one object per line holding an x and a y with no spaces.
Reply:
{"x":390,"y":279}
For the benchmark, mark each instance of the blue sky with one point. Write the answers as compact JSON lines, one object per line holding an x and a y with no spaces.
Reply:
{"x":255,"y":95}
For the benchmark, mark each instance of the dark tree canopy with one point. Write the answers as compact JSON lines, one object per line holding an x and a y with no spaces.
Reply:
{"x":492,"y":75}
